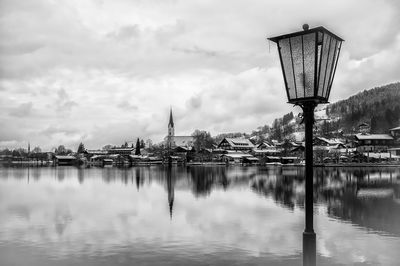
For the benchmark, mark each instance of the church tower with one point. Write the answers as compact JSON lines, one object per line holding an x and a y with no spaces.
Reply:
{"x":171,"y":130}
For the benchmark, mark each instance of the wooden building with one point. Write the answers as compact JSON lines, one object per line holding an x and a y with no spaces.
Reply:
{"x":374,"y":142}
{"x":236,"y":144}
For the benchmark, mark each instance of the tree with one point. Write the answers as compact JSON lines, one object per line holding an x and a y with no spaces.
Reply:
{"x":374,"y":124}
{"x":61,"y":150}
{"x":107,"y":147}
{"x":202,"y":140}
{"x":137,"y":150}
{"x":81,"y":148}
{"x":37,"y":149}
{"x":142,"y":144}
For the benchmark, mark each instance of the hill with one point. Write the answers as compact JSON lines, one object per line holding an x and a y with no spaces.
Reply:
{"x":378,"y":107}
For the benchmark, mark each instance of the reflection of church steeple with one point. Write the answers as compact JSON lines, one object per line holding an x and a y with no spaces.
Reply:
{"x":137,"y":178}
{"x":171,"y":191}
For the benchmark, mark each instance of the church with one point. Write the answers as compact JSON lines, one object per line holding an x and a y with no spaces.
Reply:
{"x":173,"y":141}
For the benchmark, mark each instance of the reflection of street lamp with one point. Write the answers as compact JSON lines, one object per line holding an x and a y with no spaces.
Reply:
{"x":308,"y":60}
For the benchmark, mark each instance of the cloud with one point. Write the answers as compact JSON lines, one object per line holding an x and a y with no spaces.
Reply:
{"x":23,"y":110}
{"x":52,"y":130}
{"x":125,"y":105}
{"x":63,"y":102}
{"x":95,"y":64}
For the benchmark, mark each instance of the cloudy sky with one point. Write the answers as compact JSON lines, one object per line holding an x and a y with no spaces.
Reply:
{"x":106,"y":71}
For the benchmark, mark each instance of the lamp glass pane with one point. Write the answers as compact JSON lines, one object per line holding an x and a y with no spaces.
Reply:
{"x":309,"y":63}
{"x":297,"y":54}
{"x":287,"y":67}
{"x":323,"y":60}
{"x":329,"y":66}
{"x":336,"y":56}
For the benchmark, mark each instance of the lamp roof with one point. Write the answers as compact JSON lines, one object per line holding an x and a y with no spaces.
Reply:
{"x":303,"y":32}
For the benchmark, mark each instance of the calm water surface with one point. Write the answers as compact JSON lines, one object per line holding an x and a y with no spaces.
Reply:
{"x":196,"y":215}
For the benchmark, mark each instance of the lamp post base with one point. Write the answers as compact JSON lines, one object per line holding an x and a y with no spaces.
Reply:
{"x":309,"y":249}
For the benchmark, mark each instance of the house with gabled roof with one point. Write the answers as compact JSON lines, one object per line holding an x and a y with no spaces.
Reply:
{"x":373,"y":142}
{"x":237,"y":144}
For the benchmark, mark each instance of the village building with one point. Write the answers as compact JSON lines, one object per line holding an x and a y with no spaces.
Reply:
{"x":325,"y":142}
{"x":121,"y":151}
{"x":64,"y":160}
{"x":172,"y":141}
{"x":364,"y":128}
{"x":236,"y":144}
{"x":374,"y":142}
{"x":96,"y":152}
{"x":395,"y":133}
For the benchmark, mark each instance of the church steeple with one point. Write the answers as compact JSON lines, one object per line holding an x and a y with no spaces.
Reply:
{"x":171,"y":120}
{"x":171,"y":131}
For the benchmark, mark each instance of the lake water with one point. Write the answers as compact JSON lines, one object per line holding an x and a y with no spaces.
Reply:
{"x":196,"y":215}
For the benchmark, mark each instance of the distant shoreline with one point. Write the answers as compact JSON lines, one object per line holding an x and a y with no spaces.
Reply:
{"x":316,"y":165}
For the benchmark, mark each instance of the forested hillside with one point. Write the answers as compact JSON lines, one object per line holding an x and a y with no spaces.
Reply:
{"x":379,"y":107}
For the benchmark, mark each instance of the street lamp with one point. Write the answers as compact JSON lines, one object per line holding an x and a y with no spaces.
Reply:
{"x":308,"y":60}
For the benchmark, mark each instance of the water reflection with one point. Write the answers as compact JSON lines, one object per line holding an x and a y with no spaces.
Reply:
{"x":248,"y":215}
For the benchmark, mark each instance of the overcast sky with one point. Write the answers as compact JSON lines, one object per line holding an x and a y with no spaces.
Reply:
{"x":103,"y":72}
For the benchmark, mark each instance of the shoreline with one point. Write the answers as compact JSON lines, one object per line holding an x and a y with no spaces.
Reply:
{"x":316,"y":165}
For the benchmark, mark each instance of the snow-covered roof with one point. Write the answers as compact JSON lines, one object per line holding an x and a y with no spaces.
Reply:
{"x":373,"y":137}
{"x":237,"y":155}
{"x":65,"y":157}
{"x":330,"y":141}
{"x":239,"y":142}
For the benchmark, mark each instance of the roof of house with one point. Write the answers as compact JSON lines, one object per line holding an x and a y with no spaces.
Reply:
{"x":394,"y":129}
{"x":237,"y":155}
{"x":121,"y":149}
{"x":383,"y":155}
{"x":239,"y":142}
{"x":330,"y":141}
{"x":183,"y":140}
{"x":266,"y":144}
{"x":65,"y":157}
{"x":373,"y":137}
{"x":96,"y":151}
{"x":265,"y":150}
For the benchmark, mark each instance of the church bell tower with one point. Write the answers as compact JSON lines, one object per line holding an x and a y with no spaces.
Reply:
{"x":171,"y":129}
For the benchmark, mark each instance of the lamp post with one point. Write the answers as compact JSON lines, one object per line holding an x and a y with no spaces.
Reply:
{"x":308,"y":60}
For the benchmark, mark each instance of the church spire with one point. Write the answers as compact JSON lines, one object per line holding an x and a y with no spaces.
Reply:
{"x":171,"y":120}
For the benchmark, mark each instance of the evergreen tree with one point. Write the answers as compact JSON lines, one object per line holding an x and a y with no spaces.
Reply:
{"x":137,"y":150}
{"x":81,"y":148}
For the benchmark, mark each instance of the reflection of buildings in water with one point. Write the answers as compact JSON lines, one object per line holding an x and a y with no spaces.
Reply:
{"x":339,"y":190}
{"x":62,"y":218}
{"x":204,"y":179}
{"x":81,"y":175}
{"x":285,"y":190}
{"x":60,"y":172}
{"x":36,"y":173}
{"x":376,"y":211}
{"x":125,"y":176}
{"x":108,"y":174}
